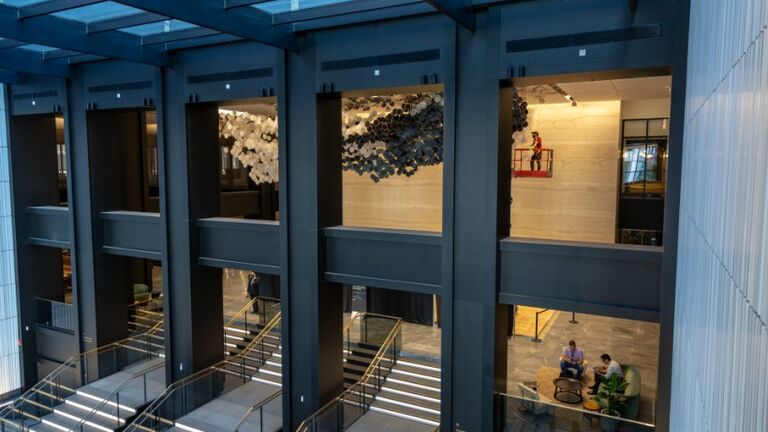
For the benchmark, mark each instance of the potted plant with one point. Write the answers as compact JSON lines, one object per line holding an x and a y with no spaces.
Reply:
{"x":611,"y":398}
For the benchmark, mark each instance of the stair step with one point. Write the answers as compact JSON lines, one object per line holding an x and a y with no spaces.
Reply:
{"x":429,"y":393}
{"x":427,"y":364}
{"x":268,"y":378}
{"x":405,"y":411}
{"x":100,"y":418}
{"x":387,"y":395}
{"x":61,"y":422}
{"x":272,"y":369}
{"x":421,"y":371}
{"x":416,"y":378}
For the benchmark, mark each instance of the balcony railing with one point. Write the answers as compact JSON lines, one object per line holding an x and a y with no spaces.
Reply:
{"x":56,"y":315}
{"x":532,"y":415}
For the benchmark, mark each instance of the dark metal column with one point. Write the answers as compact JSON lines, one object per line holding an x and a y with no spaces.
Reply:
{"x":193,"y":305}
{"x":311,"y":192}
{"x":672,"y":214}
{"x":33,"y":167}
{"x":477,"y":365}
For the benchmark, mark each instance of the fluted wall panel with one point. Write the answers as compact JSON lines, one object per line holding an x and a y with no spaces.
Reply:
{"x":9,"y":352}
{"x":721,"y":312}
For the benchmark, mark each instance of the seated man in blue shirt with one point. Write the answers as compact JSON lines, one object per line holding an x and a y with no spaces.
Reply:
{"x":572,"y":358}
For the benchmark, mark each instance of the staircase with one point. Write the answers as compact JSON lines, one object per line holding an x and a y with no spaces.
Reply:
{"x":264,"y":362}
{"x":371,"y":350}
{"x":411,"y":391}
{"x":252,"y":348}
{"x":357,"y":359}
{"x":99,"y":390}
{"x":143,"y":321}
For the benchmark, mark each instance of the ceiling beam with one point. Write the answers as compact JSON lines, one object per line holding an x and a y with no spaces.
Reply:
{"x":230,"y":4}
{"x":394,"y":12}
{"x":9,"y":77}
{"x":218,"y":38}
{"x":21,"y":60}
{"x":59,"y":53}
{"x":243,"y":22}
{"x":458,"y":10}
{"x":173,"y":36}
{"x":10,"y":43}
{"x":338,"y":9}
{"x":52,"y":6}
{"x":65,"y":34}
{"x":123,"y":22}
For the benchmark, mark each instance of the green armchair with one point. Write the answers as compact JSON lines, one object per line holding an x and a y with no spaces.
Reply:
{"x":141,"y":293}
{"x":631,"y":393}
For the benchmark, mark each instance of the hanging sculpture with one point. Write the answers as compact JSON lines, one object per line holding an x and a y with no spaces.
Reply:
{"x":382,"y":136}
{"x":392,"y":135}
{"x":255,"y":144}
{"x":519,"y":113}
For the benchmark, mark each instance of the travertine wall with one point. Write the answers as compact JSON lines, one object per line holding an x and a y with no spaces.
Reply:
{"x":719,"y":377}
{"x":399,"y":202}
{"x":579,"y":201}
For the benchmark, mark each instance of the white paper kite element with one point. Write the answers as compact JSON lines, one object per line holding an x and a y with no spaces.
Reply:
{"x":255,"y":144}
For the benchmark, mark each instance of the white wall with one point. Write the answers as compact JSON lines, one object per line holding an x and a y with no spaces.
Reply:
{"x":720,"y":366}
{"x":9,"y":352}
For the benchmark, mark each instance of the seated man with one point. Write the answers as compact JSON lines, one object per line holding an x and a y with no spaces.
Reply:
{"x":608,"y":369}
{"x":572,"y":358}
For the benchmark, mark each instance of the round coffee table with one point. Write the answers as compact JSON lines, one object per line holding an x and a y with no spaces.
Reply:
{"x":568,"y":390}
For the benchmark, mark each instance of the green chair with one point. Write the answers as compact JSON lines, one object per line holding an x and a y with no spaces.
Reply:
{"x":631,"y":393}
{"x":141,"y":293}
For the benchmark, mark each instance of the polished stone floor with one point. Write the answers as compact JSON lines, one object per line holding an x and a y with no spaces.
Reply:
{"x":235,"y":289}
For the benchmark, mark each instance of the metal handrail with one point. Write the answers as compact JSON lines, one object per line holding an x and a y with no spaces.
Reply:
{"x":363,"y":381}
{"x":191,"y":378}
{"x":106,"y":400}
{"x":258,"y":406}
{"x":536,"y":331}
{"x":69,"y":364}
{"x":242,"y":311}
{"x":359,"y":315}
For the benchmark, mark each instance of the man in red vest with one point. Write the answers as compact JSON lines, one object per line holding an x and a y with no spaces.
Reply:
{"x":536,"y":147}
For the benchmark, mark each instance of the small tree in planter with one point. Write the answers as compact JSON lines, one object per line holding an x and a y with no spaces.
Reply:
{"x":611,"y":398}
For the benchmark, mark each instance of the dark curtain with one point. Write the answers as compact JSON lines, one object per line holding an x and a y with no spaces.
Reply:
{"x":269,"y":286}
{"x":411,"y":307}
{"x":347,"y":295}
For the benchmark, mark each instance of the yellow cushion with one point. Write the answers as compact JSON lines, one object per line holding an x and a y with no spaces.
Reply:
{"x":591,"y":405}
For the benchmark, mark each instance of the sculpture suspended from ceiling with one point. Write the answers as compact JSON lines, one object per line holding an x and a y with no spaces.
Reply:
{"x":255,"y":143}
{"x":392,"y":135}
{"x":382,"y":136}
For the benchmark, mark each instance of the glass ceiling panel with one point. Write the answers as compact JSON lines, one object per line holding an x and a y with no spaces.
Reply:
{"x":97,"y":12}
{"x":20,"y":3}
{"x":38,"y":48}
{"x":281,"y":6}
{"x":158,"y":27}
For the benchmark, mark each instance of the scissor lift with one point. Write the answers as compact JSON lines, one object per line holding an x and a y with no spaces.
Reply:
{"x":521,"y":163}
